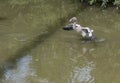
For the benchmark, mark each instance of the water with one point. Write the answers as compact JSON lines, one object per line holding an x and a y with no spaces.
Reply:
{"x":58,"y":56}
{"x":83,"y":75}
{"x":21,"y":72}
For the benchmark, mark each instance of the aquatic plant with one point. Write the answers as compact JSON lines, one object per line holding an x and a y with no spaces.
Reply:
{"x":103,"y":3}
{"x":91,"y":2}
{"x":117,"y":3}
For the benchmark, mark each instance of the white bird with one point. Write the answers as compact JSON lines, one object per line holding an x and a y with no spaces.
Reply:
{"x":85,"y":32}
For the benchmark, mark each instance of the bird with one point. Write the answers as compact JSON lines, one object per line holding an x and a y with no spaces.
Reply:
{"x":85,"y":32}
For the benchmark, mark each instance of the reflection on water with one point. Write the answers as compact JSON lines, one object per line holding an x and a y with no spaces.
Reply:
{"x":83,"y":75}
{"x":19,"y":74}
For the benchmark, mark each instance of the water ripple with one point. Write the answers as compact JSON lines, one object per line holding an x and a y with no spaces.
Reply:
{"x":83,"y":75}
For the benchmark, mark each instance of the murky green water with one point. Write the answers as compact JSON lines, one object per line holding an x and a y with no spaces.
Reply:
{"x":57,"y":56}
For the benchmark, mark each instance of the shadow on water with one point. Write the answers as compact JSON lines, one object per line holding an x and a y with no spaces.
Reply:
{"x":3,"y":18}
{"x":11,"y":62}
